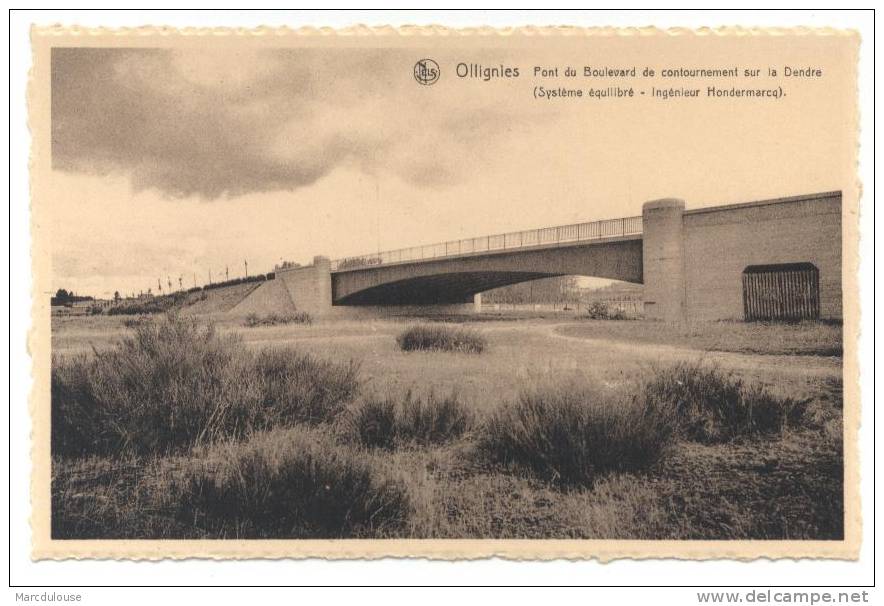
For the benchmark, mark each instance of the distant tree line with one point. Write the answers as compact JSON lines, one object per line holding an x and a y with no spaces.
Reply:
{"x":68,"y":298}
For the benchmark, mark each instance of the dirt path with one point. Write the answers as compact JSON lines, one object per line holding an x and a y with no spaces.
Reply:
{"x":794,"y":365}
{"x":801,"y":365}
{"x":303,"y":338}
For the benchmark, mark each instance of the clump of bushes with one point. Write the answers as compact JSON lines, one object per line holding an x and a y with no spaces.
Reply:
{"x":272,"y":319}
{"x":440,"y":337}
{"x":713,"y":406}
{"x":573,"y":433}
{"x":599,"y":310}
{"x":389,"y":422}
{"x":292,"y":483}
{"x":176,"y":383}
{"x":151,"y":305}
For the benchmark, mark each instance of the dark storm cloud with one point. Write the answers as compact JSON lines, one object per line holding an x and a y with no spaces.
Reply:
{"x":210,"y":125}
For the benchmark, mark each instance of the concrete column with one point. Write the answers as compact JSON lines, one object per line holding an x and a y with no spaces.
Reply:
{"x":477,"y":302}
{"x":322,"y":270}
{"x":663,"y":259}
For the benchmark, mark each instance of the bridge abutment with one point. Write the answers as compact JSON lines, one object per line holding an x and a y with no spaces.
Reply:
{"x":663,"y":259}
{"x":310,"y":287}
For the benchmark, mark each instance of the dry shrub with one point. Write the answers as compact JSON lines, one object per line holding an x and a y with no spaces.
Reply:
{"x":714,"y":406}
{"x":390,"y":422}
{"x":441,"y":338}
{"x":176,"y":383}
{"x":600,"y":310}
{"x":291,"y":483}
{"x":571,"y":433}
{"x":302,"y":388}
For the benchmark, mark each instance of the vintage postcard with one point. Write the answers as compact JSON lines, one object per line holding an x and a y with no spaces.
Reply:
{"x":533,"y":293}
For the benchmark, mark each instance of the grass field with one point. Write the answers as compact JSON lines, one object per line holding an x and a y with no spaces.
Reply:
{"x":549,"y":431}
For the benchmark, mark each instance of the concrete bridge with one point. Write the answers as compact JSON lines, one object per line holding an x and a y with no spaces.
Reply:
{"x":455,"y":271}
{"x":773,"y":258}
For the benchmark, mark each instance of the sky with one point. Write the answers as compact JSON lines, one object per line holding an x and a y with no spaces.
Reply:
{"x":171,"y":163}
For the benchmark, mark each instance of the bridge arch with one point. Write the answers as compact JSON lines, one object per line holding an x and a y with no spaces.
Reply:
{"x":456,"y":280}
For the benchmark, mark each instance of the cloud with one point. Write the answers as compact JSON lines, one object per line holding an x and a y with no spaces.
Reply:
{"x":212,"y":124}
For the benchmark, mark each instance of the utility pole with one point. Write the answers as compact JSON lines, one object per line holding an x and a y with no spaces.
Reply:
{"x":226,"y":274}
{"x":210,"y":276}
{"x":247,"y":267}
{"x":377,"y":206}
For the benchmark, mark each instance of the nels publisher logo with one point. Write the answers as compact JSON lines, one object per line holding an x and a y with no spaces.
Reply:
{"x":426,"y":72}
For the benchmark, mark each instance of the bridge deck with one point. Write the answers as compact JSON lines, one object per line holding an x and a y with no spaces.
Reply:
{"x":546,"y":236}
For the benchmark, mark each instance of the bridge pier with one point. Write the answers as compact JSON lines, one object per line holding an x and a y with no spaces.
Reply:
{"x":663,"y":259}
{"x":322,"y":275}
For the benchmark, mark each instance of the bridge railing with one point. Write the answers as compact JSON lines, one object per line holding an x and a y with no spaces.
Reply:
{"x":594,"y":230}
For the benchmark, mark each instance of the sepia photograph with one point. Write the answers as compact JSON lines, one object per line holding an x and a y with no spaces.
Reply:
{"x":441,"y":292}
